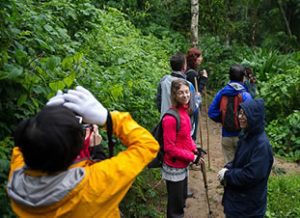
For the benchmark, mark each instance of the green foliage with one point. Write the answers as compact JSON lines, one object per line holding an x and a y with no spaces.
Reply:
{"x":147,"y":198}
{"x":151,"y":18}
{"x":278,"y":79}
{"x":5,"y":152}
{"x":278,"y":84}
{"x":60,"y":47}
{"x":218,"y":58}
{"x":251,"y":22}
{"x":280,"y":93}
{"x":267,"y":63}
{"x":58,"y":44}
{"x":283,"y":197}
{"x":284,"y":135}
{"x":51,"y":45}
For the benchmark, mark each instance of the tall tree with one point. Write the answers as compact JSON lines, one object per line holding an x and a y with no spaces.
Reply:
{"x":286,"y":22}
{"x":194,"y":22}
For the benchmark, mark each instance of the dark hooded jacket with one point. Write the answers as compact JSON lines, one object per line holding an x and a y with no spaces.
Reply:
{"x":246,"y":180}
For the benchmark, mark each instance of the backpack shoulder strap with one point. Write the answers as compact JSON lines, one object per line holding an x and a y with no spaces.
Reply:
{"x":173,"y":112}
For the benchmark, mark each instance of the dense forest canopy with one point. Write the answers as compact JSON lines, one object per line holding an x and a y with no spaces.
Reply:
{"x":264,"y":23}
{"x":120,"y":50}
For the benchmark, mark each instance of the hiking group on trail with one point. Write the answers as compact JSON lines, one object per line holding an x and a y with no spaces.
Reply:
{"x":58,"y":168}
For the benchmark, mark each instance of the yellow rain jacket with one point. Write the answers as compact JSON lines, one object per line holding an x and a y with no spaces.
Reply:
{"x":89,"y":191}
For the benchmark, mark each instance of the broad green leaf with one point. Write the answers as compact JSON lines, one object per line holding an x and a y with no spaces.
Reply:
{"x":48,"y":27}
{"x":22,"y":99}
{"x":117,"y":92}
{"x":35,"y":102}
{"x":58,"y":85}
{"x":13,"y":71}
{"x":67,"y":62}
{"x":53,"y":62}
{"x":70,"y":79}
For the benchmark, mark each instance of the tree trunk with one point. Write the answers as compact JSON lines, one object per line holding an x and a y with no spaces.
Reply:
{"x":286,"y":22}
{"x":194,"y":22}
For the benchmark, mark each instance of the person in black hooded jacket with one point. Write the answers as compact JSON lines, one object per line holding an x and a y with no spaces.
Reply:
{"x":245,"y":179}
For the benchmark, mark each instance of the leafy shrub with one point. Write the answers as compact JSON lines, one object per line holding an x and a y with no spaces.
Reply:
{"x":51,"y":45}
{"x":218,"y":58}
{"x":280,"y":93}
{"x":283,"y":197}
{"x":284,"y":135}
{"x":278,"y":84}
{"x":5,"y":152}
{"x":266,"y":63}
{"x":147,"y":198}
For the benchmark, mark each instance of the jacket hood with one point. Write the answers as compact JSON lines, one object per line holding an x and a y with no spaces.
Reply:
{"x":178,"y":74}
{"x":255,"y":113}
{"x":233,"y":88}
{"x":44,"y":190}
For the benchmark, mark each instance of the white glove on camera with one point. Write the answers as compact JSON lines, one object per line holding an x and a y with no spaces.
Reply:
{"x":82,"y":102}
{"x":221,"y":174}
{"x":58,"y":99}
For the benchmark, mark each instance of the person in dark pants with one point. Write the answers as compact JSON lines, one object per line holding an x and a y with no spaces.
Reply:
{"x":245,"y":178}
{"x":179,"y":147}
{"x":194,"y":58}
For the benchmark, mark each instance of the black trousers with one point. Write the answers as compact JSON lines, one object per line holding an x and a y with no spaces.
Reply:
{"x":177,"y":193}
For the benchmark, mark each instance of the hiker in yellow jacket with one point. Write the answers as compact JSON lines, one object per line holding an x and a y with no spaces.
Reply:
{"x":42,"y":182}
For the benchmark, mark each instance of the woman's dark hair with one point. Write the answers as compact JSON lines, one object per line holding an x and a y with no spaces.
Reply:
{"x":191,"y":58}
{"x":177,"y":62}
{"x":51,"y":140}
{"x":175,"y":86}
{"x":237,"y":73}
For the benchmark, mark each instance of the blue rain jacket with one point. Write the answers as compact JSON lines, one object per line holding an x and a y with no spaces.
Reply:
{"x":231,"y":89}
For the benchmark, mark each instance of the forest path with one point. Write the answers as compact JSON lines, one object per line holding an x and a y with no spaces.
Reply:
{"x":197,"y":206}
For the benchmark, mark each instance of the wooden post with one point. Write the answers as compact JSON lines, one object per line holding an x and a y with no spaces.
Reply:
{"x":207,"y":129}
{"x":199,"y":117}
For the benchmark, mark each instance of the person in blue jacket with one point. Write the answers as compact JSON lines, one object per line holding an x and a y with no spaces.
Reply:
{"x":234,"y":87}
{"x":245,"y":179}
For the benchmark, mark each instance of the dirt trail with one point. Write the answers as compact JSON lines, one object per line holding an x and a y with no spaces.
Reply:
{"x":197,"y":207}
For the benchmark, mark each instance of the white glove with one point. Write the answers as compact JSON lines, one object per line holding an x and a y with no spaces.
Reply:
{"x":82,"y":102}
{"x":221,"y":174}
{"x":58,"y":99}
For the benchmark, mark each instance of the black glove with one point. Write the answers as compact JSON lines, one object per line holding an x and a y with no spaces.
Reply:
{"x":200,"y":152}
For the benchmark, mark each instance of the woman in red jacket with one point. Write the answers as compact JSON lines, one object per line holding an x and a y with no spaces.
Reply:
{"x":180,"y":149}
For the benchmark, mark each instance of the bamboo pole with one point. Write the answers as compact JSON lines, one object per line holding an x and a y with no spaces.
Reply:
{"x":207,"y":129}
{"x":199,"y":117}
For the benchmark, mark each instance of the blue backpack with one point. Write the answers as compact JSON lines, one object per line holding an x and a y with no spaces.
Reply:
{"x":158,"y":134}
